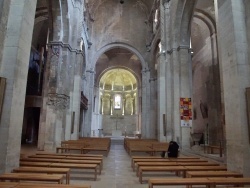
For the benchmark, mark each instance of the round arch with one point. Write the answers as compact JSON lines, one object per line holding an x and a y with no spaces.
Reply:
{"x":121,"y":67}
{"x":121,"y":45}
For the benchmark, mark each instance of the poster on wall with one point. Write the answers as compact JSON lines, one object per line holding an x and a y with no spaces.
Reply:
{"x":186,"y":112}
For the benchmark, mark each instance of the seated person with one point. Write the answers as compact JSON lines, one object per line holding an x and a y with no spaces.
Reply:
{"x":173,"y":149}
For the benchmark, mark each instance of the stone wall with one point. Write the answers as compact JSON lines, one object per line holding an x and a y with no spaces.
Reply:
{"x":123,"y":123}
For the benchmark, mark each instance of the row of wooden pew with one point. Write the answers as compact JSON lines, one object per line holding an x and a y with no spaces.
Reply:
{"x":194,"y":171}
{"x":150,"y":146}
{"x":51,"y":168}
{"x":85,"y":145}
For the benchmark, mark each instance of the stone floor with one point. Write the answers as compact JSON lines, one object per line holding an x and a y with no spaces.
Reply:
{"x":116,"y":173}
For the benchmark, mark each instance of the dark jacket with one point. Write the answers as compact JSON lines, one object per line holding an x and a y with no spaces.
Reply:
{"x":173,"y":149}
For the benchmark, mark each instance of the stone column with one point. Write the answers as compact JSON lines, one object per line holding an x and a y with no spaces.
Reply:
{"x":90,"y":74}
{"x":153,"y":107}
{"x":235,"y":69}
{"x":101,"y":105}
{"x":76,"y":92}
{"x":111,"y":106}
{"x":55,"y":119}
{"x":123,"y":106}
{"x":132,"y":105}
{"x":145,"y":117}
{"x":165,"y":70}
{"x":17,"y":22}
{"x":185,"y":89}
{"x":174,"y":91}
{"x":161,"y":98}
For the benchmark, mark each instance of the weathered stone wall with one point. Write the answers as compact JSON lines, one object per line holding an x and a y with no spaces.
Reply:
{"x":234,"y":62}
{"x":63,"y":77}
{"x":206,"y":79}
{"x":4,"y":11}
{"x":115,"y":22}
{"x":123,"y":123}
{"x":17,"y":21}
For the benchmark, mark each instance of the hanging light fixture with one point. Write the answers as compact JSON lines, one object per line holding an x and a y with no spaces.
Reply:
{"x":121,"y":1}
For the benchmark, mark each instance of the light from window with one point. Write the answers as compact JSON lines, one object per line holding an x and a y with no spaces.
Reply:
{"x":117,"y":102}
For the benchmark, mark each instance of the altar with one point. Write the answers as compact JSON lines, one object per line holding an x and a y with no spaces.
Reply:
{"x":116,"y":133}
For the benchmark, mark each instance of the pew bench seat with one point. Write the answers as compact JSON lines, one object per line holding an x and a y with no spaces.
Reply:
{"x":199,"y":174}
{"x":38,"y":185}
{"x":31,"y":177}
{"x":65,"y":171}
{"x":208,"y":182}
{"x":178,"y":169}
{"x":134,"y":161}
{"x":170,"y":163}
{"x":63,"y":165}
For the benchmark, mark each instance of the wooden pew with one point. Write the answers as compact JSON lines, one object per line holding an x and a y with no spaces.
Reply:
{"x":167,"y":163}
{"x":38,"y":185}
{"x":178,"y":169}
{"x":156,"y":157}
{"x":177,"y":182}
{"x":31,"y":177}
{"x":98,"y":162}
{"x":175,"y":169}
{"x":211,"y":149}
{"x":166,"y":159}
{"x":208,"y":182}
{"x":68,"y":154}
{"x":63,"y":165}
{"x":85,"y":145}
{"x":8,"y":184}
{"x":199,"y":174}
{"x":238,"y":182}
{"x":65,"y":171}
{"x":70,"y":157}
{"x":204,"y":168}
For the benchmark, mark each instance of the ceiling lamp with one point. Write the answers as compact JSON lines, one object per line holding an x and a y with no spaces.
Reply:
{"x":121,"y":1}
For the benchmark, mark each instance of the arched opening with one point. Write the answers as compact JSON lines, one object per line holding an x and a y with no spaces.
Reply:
{"x":118,"y":95}
{"x":118,"y":102}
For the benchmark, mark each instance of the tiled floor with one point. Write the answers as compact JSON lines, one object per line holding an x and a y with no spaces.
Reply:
{"x":116,"y":173}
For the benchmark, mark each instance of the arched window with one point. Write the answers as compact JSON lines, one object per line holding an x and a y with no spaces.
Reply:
{"x":117,"y":102}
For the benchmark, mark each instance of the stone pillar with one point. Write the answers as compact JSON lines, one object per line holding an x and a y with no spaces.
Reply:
{"x":123,"y":106}
{"x":161,"y":98}
{"x":111,"y":106}
{"x":153,"y":107}
{"x":89,"y":113}
{"x":166,"y":73}
{"x":145,"y":117}
{"x":56,"y":116}
{"x":173,"y":108}
{"x":234,"y":63}
{"x":17,"y":22}
{"x":76,"y":93}
{"x":185,"y":89}
{"x":132,"y":105}
{"x":101,"y":107}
